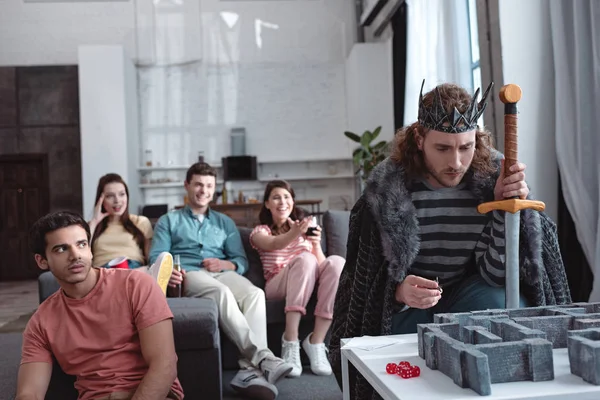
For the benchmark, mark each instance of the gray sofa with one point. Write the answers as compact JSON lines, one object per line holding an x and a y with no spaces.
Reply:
{"x":203,"y":352}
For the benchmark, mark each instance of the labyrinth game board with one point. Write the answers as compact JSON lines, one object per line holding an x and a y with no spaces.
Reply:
{"x":476,"y":349}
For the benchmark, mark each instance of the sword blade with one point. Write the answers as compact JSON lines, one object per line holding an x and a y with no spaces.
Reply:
{"x":511,"y":230}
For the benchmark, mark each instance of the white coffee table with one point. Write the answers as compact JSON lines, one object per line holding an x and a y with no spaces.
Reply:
{"x":433,"y":384}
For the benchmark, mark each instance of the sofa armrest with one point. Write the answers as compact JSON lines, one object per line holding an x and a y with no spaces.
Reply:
{"x":335,"y":226}
{"x":195,"y":323}
{"x":47,"y":285}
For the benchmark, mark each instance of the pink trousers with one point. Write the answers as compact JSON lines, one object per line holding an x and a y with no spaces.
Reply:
{"x":296,"y":283}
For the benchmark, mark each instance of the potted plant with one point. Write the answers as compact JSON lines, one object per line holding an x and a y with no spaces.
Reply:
{"x":367,"y":155}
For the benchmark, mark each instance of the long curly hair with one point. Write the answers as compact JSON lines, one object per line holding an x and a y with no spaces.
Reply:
{"x":266,"y":218}
{"x":405,"y":150}
{"x":124,"y":219}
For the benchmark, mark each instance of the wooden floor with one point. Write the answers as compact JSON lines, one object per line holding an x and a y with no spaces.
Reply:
{"x":16,"y":299}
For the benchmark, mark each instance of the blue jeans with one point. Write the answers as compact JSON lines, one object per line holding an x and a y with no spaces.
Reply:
{"x":132,"y":264}
{"x":472,"y":294}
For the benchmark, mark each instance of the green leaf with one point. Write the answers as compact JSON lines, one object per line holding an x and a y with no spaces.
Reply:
{"x":380,"y":146}
{"x":352,"y":136}
{"x":358,"y":157}
{"x":356,"y":151}
{"x":366,"y":138}
{"x":375,"y":133}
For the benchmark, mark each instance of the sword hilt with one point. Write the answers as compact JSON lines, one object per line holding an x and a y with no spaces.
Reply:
{"x":510,"y":205}
{"x":510,"y":94}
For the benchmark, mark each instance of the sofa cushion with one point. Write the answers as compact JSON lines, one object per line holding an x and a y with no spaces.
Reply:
{"x":335,"y":227}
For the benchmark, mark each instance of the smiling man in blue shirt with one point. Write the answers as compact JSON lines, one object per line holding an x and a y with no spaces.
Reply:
{"x":213,"y":261}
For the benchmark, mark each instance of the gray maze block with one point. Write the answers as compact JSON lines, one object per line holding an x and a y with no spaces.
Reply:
{"x":581,"y":323}
{"x":555,"y":327}
{"x":584,"y":354}
{"x":510,"y":331}
{"x":484,"y":321}
{"x":476,"y":349}
{"x":468,"y":365}
{"x":450,"y":329}
{"x":590,"y":308}
{"x":461,"y":317}
{"x":525,"y":360}
{"x":478,"y":335}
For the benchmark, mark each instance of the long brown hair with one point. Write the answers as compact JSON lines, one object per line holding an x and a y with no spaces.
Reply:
{"x":124,"y":219}
{"x":266,"y":218}
{"x":405,"y":150}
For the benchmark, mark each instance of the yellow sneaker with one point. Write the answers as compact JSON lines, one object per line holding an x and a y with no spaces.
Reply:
{"x":162,"y":269}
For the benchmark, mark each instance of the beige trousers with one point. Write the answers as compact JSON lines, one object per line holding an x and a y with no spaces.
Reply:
{"x":242,"y":310}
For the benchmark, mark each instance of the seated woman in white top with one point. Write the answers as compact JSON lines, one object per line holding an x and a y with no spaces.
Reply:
{"x":293,"y":263}
{"x":117,"y":234}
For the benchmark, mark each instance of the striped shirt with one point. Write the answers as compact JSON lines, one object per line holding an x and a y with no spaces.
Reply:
{"x":454,"y":235}
{"x":274,"y":261}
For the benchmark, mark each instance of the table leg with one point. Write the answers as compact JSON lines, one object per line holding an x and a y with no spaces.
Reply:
{"x":345,"y":377}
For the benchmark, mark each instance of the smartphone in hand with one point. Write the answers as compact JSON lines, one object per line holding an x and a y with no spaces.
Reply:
{"x":311,"y":231}
{"x":313,"y":228}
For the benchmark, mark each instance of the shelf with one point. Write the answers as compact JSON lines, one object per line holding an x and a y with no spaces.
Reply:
{"x":308,"y":177}
{"x":314,"y":160}
{"x":172,"y":167}
{"x":166,"y":185}
{"x":160,"y":185}
{"x":185,"y":167}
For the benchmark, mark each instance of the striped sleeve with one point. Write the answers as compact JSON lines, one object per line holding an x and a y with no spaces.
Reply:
{"x":490,"y":254}
{"x":257,"y":229}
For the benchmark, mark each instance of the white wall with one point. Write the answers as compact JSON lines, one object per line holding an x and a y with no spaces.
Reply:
{"x":107,"y":91}
{"x":49,"y":34}
{"x":527,"y":61}
{"x":369,"y":89}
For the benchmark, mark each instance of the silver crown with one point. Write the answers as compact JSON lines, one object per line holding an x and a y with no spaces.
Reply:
{"x":436,"y":117}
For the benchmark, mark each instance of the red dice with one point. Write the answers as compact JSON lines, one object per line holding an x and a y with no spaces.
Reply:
{"x":403,"y":369}
{"x":391,"y":368}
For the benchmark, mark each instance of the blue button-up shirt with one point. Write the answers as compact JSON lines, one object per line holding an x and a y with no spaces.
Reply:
{"x":181,"y":232}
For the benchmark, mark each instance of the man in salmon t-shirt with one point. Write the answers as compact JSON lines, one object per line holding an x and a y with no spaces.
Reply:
{"x":111,"y":328}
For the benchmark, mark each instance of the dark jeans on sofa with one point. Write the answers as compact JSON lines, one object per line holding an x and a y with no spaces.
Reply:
{"x":197,"y":342}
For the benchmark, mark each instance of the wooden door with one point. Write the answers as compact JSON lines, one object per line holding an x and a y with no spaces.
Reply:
{"x":24,"y":197}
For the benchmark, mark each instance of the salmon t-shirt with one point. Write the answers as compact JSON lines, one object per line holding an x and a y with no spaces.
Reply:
{"x":96,"y":338}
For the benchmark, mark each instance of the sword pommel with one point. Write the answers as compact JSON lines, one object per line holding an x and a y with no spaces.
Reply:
{"x":510,"y":94}
{"x":510,"y":205}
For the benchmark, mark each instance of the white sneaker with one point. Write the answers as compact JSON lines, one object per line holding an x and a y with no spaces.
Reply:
{"x":251,"y":383}
{"x":317,"y":354}
{"x":162,"y":269}
{"x":274,"y":368}
{"x":290,"y":352}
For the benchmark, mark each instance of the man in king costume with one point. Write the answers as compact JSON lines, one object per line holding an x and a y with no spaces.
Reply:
{"x":417,"y":245}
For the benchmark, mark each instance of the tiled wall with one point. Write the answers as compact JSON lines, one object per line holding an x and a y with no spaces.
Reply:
{"x":39,"y":113}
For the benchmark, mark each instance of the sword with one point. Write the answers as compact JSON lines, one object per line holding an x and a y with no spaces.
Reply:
{"x":510,"y":95}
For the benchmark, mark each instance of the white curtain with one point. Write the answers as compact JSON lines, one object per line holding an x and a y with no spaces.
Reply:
{"x":575,"y":29}
{"x":438,"y":49}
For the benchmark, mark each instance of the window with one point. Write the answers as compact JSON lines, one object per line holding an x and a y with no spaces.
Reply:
{"x":474,"y":42}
